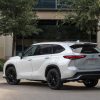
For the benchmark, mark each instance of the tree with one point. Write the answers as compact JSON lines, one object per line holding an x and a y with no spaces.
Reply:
{"x":18,"y":17}
{"x":85,"y":15}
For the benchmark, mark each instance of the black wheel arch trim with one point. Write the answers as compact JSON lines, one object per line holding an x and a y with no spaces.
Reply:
{"x":9,"y":65}
{"x":51,"y":67}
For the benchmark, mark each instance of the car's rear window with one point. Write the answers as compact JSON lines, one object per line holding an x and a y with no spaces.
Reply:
{"x":85,"y":48}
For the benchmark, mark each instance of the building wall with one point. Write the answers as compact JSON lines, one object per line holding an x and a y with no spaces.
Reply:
{"x":50,"y":15}
{"x":2,"y":47}
{"x":45,"y":10}
{"x":5,"y":46}
{"x":6,"y":41}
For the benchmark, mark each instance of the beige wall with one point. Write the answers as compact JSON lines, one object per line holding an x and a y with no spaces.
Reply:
{"x":2,"y":44}
{"x":52,"y":14}
{"x":5,"y":46}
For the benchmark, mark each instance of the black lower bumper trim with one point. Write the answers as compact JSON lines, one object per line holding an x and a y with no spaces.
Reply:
{"x":83,"y":76}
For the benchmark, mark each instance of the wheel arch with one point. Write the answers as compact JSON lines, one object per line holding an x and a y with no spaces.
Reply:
{"x":51,"y":67}
{"x":9,"y":65}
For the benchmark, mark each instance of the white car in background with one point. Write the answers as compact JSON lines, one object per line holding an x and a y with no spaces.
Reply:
{"x":56,"y":63}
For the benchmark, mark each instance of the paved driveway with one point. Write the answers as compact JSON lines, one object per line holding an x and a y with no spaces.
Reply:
{"x":37,"y":91}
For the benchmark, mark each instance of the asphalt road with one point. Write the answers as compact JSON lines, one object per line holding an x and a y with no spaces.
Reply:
{"x":37,"y":91}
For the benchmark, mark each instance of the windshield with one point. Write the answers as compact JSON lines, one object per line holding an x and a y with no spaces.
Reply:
{"x":27,"y":50}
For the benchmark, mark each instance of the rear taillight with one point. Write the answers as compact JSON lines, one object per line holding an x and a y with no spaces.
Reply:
{"x":73,"y":57}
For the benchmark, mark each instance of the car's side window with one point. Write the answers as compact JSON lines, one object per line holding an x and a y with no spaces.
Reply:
{"x":30,"y":51}
{"x":43,"y":49}
{"x":57,"y":49}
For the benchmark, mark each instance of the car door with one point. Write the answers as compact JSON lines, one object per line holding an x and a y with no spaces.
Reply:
{"x":25,"y":64}
{"x":41,"y":56}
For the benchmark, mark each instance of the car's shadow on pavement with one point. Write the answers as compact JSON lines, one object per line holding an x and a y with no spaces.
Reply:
{"x":76,"y":88}
{"x":45,"y":86}
{"x":34,"y":84}
{"x":65,"y":87}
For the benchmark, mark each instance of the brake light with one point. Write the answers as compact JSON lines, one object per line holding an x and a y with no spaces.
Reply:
{"x":73,"y":57}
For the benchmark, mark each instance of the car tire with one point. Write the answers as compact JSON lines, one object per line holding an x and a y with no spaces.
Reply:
{"x":90,"y":82}
{"x":54,"y":79}
{"x":11,"y":76}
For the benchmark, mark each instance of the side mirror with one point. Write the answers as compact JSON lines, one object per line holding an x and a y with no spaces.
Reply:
{"x":20,"y":55}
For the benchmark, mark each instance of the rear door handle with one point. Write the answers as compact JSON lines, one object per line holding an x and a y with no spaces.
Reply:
{"x":46,"y":57}
{"x":30,"y":60}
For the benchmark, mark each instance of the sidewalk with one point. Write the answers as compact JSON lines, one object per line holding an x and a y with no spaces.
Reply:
{"x":1,"y":77}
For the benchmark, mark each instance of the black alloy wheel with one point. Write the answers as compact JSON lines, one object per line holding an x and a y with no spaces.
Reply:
{"x":90,"y":82}
{"x":54,"y":79}
{"x":11,"y":76}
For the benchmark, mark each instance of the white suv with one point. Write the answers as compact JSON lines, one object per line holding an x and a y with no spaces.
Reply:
{"x":56,"y":63}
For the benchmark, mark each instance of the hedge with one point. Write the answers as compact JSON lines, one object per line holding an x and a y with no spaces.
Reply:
{"x":2,"y":61}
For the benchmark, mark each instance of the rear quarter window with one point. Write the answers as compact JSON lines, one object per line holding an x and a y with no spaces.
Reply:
{"x":58,"y":49}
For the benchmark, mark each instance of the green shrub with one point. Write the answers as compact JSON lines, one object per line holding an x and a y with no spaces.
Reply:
{"x":2,"y":61}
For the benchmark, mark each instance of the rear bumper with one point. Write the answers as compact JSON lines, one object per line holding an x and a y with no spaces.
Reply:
{"x":83,"y":76}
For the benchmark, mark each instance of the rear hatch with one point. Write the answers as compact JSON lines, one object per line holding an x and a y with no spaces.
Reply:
{"x":91,"y":59}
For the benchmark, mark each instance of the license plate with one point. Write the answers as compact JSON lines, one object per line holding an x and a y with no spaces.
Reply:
{"x":93,"y":61}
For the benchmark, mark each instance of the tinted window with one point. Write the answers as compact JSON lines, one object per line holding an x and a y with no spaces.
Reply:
{"x":85,"y":49}
{"x":30,"y":51}
{"x":57,"y":49}
{"x":89,"y":49}
{"x":46,"y":4}
{"x":43,"y":49}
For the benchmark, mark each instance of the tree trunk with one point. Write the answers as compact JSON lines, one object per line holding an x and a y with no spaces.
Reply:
{"x":22,"y":44}
{"x":91,"y":33}
{"x":90,"y":36}
{"x":14,"y":46}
